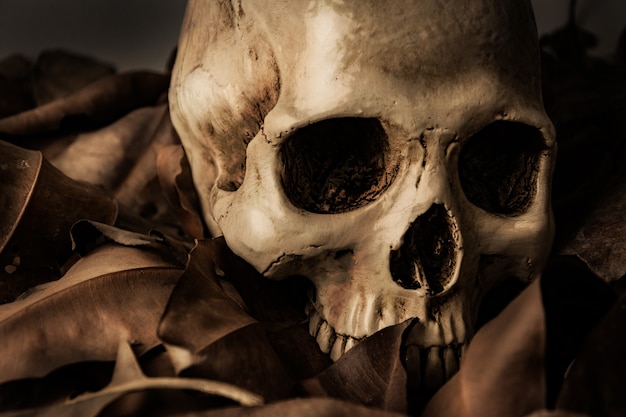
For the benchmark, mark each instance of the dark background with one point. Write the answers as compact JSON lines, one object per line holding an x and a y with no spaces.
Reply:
{"x":135,"y":34}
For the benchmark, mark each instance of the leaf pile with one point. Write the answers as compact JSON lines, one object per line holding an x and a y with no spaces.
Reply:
{"x":114,"y":301}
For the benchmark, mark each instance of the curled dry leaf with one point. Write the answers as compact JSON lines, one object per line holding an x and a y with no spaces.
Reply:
{"x":302,"y":407}
{"x":502,"y":372}
{"x":40,"y":205}
{"x":100,"y":102}
{"x":199,"y":312}
{"x":107,"y":155}
{"x":555,"y":413}
{"x":372,"y":373}
{"x":516,"y":363}
{"x":16,"y":89}
{"x":87,"y":234}
{"x":141,"y":193}
{"x":127,"y":378}
{"x":574,"y":301}
{"x":114,"y":292}
{"x":595,"y":383}
{"x":175,"y":179}
{"x":600,"y":241}
{"x":210,"y":333}
{"x":58,"y":73}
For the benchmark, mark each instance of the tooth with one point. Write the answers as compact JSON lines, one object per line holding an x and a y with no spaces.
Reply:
{"x":350,"y":343}
{"x":433,"y":369}
{"x":450,"y":361}
{"x":325,"y":337}
{"x":314,"y":323}
{"x":338,"y":347}
{"x":413,"y":359}
{"x":458,"y":329}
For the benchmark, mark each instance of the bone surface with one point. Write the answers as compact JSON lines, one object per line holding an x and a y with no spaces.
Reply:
{"x":395,"y":153}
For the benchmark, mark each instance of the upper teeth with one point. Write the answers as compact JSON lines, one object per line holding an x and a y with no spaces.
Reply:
{"x":430,"y":366}
{"x":328,"y":340}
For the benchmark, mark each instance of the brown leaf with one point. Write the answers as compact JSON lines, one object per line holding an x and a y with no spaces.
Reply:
{"x":97,"y":104}
{"x":87,"y":234}
{"x":141,"y":193}
{"x":372,"y":373}
{"x":277,"y":304}
{"x":595,"y":383}
{"x":175,"y":179}
{"x":302,"y":407}
{"x":107,"y":155}
{"x":127,"y":378}
{"x":16,"y":90}
{"x":40,"y":205}
{"x":555,"y":413}
{"x":502,"y":372}
{"x":59,"y":73}
{"x":601,"y":241}
{"x":299,"y":352}
{"x":199,"y":312}
{"x":245,"y":358}
{"x":114,"y":292}
{"x":574,"y":301}
{"x":209,"y":332}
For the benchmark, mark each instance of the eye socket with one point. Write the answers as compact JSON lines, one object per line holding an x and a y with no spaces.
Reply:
{"x":336,"y":165}
{"x":498,"y":167}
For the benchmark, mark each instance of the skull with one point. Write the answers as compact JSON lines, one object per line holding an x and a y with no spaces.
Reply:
{"x":395,"y":153}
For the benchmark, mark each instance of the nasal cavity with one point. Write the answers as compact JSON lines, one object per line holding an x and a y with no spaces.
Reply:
{"x":428,"y":256}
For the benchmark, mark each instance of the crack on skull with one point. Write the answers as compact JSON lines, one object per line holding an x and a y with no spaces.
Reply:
{"x":422,"y":141}
{"x":274,"y":263}
{"x":310,"y":255}
{"x":264,"y":135}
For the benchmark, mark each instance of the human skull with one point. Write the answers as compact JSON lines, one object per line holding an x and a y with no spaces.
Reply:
{"x":395,"y":153}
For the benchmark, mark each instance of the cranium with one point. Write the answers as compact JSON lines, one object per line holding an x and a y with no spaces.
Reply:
{"x":395,"y":153}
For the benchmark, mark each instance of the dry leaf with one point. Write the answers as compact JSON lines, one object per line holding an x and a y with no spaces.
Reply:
{"x":175,"y":179}
{"x":199,"y":312}
{"x":59,"y":73}
{"x":100,"y":102}
{"x":502,"y":372}
{"x":302,"y":407}
{"x":515,"y":363}
{"x":245,"y":358}
{"x":299,"y":352}
{"x":113,"y":292}
{"x":107,"y":155}
{"x":209,"y":332}
{"x":372,"y":373}
{"x":574,"y":301}
{"x":141,"y":193}
{"x":40,"y":205}
{"x":555,"y":413}
{"x":597,"y":379}
{"x":87,"y":235}
{"x":128,"y":378}
{"x":601,"y":242}
{"x":16,"y":90}
{"x":586,"y":100}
